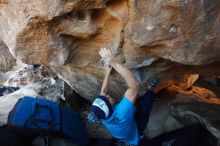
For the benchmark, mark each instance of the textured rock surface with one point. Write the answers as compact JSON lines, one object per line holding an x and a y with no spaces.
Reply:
{"x":34,"y":81}
{"x":6,"y":59}
{"x":179,"y":30}
{"x":178,"y":107}
{"x":66,"y":36}
{"x":192,"y":112}
{"x":160,"y":118}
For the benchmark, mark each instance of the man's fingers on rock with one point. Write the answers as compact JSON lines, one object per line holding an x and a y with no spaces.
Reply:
{"x":104,"y":49}
{"x":100,"y":53}
{"x":109,"y":52}
{"x":105,"y":55}
{"x":103,"y":52}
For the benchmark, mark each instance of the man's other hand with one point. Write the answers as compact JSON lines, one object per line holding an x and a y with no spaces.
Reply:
{"x":106,"y":56}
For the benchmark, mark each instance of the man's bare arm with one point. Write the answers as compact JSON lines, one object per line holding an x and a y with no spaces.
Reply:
{"x":133,"y":85}
{"x":104,"y":87}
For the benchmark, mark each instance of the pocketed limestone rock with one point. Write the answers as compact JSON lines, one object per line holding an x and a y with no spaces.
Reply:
{"x":66,"y":36}
{"x":7,"y":61}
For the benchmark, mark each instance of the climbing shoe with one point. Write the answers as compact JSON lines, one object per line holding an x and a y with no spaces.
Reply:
{"x":154,"y":82}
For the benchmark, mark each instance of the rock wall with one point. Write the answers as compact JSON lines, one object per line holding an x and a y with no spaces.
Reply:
{"x":66,"y":36}
{"x":7,"y":61}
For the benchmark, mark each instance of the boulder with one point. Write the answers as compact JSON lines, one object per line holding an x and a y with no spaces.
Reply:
{"x":66,"y":36}
{"x":7,"y":61}
{"x":210,"y":83}
{"x":192,"y":111}
{"x":178,"y":30}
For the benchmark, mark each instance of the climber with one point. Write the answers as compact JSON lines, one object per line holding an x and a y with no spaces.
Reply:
{"x":125,"y":125}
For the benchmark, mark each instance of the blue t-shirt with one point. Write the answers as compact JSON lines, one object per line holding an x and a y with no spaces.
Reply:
{"x":122,"y":124}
